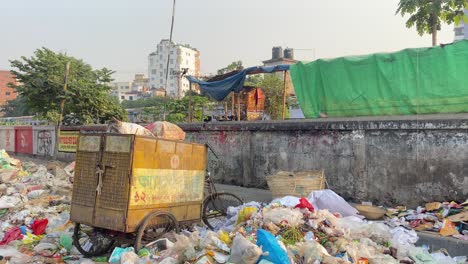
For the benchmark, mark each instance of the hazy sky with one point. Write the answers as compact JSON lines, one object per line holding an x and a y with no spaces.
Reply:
{"x":119,"y":34}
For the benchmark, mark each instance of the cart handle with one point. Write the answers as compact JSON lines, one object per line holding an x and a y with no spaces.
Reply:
{"x":212,"y":150}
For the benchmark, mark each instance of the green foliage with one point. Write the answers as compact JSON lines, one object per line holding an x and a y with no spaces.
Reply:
{"x":231,"y":67}
{"x":273,"y":87}
{"x":145,"y":102}
{"x":17,"y":107}
{"x":254,"y":80}
{"x":428,"y":15}
{"x":41,"y":79}
{"x":171,"y":110}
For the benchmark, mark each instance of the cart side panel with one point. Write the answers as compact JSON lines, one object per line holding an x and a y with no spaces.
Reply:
{"x":85,"y":181}
{"x":112,"y":202}
{"x":168,"y":176}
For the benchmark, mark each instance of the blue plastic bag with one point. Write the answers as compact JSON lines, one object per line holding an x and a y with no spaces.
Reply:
{"x":117,"y":254}
{"x":268,"y":243}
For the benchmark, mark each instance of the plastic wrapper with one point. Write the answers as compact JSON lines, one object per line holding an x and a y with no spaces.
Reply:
{"x":117,"y":254}
{"x":224,"y":236}
{"x":268,"y":243}
{"x":211,"y":241}
{"x":129,"y":258}
{"x":166,"y":130}
{"x":244,"y":251}
{"x":245,"y":214}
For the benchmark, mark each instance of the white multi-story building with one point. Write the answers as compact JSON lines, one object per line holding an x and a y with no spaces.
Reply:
{"x":461,"y":31}
{"x":181,"y":57}
{"x":131,"y":90}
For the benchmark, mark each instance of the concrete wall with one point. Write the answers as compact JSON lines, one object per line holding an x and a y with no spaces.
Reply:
{"x":407,"y":160}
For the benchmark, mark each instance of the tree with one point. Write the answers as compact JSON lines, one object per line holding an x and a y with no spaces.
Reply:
{"x":428,"y":15}
{"x":231,"y":67}
{"x":41,"y":80}
{"x":273,"y":87}
{"x":17,"y":107}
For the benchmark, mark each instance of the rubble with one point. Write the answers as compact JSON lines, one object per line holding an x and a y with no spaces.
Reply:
{"x":35,"y":228}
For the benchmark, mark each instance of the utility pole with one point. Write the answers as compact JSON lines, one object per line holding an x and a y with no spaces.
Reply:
{"x":62,"y":106}
{"x":170,"y":44}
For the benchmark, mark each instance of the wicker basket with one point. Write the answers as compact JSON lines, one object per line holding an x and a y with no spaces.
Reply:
{"x":371,"y":212}
{"x":296,"y":184}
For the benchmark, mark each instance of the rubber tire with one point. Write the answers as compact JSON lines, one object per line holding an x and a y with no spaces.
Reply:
{"x":144,"y":224}
{"x":213,"y":197}
{"x":76,"y":243}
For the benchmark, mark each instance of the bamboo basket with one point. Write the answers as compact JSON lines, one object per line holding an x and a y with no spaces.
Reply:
{"x":296,"y":184}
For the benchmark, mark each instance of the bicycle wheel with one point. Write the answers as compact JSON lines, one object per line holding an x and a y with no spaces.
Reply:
{"x":90,"y":241}
{"x":215,"y":208}
{"x":154,"y":226}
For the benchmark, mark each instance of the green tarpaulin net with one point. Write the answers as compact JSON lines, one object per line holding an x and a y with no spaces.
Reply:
{"x":411,"y":81}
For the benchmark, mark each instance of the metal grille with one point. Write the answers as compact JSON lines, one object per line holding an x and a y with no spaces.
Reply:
{"x":85,"y":180}
{"x":115,"y":181}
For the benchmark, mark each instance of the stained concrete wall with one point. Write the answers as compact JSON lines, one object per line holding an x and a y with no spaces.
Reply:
{"x":399,"y":160}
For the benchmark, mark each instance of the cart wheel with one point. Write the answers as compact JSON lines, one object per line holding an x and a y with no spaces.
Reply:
{"x":154,"y":226}
{"x":215,"y":208}
{"x":90,"y":241}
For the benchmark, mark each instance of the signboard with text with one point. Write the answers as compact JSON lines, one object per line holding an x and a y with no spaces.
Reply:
{"x":67,"y":141}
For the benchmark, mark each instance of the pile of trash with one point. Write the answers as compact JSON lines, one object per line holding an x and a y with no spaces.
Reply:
{"x":293,"y":230}
{"x":34,"y":211}
{"x":447,"y":218}
{"x":158,"y":129}
{"x":320,"y":228}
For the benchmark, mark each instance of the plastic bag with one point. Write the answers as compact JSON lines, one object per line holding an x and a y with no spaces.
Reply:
{"x":303,"y":203}
{"x":166,"y":130}
{"x":328,"y":199}
{"x":311,"y":251}
{"x":244,"y":251}
{"x":66,"y":242}
{"x":118,"y":252}
{"x":39,"y":226}
{"x":245,"y":214}
{"x":45,"y":249}
{"x":16,"y":256}
{"x":129,"y":258}
{"x":268,"y":243}
{"x":9,"y":201}
{"x":211,"y":240}
{"x":224,"y":236}
{"x":120,"y":127}
{"x":11,"y":235}
{"x":277,"y":216}
{"x":289,"y":201}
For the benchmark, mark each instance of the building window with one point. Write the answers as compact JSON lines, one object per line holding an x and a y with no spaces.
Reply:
{"x":160,"y":74}
{"x":172,"y":52}
{"x":151,"y":61}
{"x":122,"y":97}
{"x":161,"y":81}
{"x":160,"y":66}
{"x":172,"y":61}
{"x":7,"y":93}
{"x":160,"y":57}
{"x":126,"y":87}
{"x":152,"y":78}
{"x":153,"y":71}
{"x":131,"y":98}
{"x":459,"y":31}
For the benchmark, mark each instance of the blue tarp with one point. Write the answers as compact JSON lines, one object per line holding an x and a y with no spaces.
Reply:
{"x":234,"y":83}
